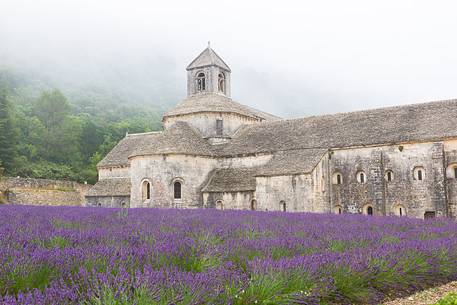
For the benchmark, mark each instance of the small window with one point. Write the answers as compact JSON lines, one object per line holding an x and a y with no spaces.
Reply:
{"x":361,"y":178}
{"x":389,"y":176}
{"x":253,"y":205}
{"x":337,"y":178}
{"x":400,"y":211}
{"x":146,"y":190}
{"x":220,"y":205}
{"x":201,"y":82}
{"x":221,"y":82}
{"x":219,"y":127}
{"x":419,"y":173}
{"x":368,"y":210}
{"x":177,"y":190}
{"x":338,"y":210}
{"x":282,"y":205}
{"x":455,"y":172}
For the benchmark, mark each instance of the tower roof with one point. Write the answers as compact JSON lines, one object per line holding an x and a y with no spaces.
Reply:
{"x":208,"y":58}
{"x":216,"y":103}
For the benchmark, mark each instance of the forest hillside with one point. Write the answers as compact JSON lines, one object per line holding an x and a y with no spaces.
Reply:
{"x":57,"y":130}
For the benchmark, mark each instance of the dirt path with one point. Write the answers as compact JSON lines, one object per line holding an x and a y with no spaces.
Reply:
{"x":426,"y":297}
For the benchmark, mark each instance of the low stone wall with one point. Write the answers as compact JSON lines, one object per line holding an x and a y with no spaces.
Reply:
{"x":42,"y":191}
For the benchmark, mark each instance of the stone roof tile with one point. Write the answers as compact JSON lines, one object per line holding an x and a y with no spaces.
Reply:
{"x":291,"y":162}
{"x":208,"y":58}
{"x":118,"y":156}
{"x":212,"y":102}
{"x":110,"y":187}
{"x":180,"y":138}
{"x":231,"y":180}
{"x":418,"y":122}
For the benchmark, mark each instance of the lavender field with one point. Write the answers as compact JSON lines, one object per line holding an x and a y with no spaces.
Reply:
{"x":71,"y":255}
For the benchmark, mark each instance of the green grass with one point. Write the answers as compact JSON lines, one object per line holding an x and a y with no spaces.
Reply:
{"x":450,"y":299}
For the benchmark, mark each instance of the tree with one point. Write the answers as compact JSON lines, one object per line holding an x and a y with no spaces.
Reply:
{"x":51,"y":108}
{"x":7,"y":134}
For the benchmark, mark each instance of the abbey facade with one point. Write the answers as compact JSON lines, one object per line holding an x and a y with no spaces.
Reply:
{"x":216,"y":153}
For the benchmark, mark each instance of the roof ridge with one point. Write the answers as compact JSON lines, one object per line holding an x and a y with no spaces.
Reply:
{"x":336,"y":114}
{"x":375,"y":109}
{"x":143,"y":133}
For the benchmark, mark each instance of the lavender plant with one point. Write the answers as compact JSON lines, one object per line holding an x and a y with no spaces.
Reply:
{"x":73,"y":255}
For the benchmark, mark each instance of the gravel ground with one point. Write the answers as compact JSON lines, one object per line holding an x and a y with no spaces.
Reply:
{"x":426,"y":297}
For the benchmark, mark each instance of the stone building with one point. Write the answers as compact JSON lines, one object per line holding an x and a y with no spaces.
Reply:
{"x":216,"y":153}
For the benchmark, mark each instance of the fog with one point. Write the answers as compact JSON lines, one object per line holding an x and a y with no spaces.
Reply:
{"x":290,"y":58}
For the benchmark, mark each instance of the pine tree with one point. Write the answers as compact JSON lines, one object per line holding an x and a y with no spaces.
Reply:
{"x":7,"y":134}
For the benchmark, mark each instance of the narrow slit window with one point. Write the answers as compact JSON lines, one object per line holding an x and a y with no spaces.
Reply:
{"x":177,"y":190}
{"x":219,"y":127}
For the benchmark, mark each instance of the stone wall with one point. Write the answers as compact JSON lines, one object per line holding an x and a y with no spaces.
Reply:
{"x":206,"y":122}
{"x":114,"y":172}
{"x":295,"y":191}
{"x":42,"y":191}
{"x":230,"y":200}
{"x":108,"y":201}
{"x":162,"y":171}
{"x":415,"y":196}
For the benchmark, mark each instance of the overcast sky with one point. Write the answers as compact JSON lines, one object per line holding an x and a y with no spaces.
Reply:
{"x":291,"y":58}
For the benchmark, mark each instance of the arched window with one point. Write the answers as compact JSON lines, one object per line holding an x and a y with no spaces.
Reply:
{"x":220,"y":204}
{"x":400,"y":210}
{"x":419,"y":173}
{"x":221,"y":82}
{"x":282,"y":205}
{"x":338,"y":209}
{"x":253,"y":205}
{"x":337,"y":178}
{"x":389,"y":176}
{"x":201,"y":82}
{"x":177,"y":190}
{"x":145,"y":190}
{"x":368,"y":210}
{"x":361,"y":178}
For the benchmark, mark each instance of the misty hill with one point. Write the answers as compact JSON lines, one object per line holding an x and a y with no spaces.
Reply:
{"x":91,"y":113}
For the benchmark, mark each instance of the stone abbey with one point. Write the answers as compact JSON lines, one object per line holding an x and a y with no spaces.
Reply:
{"x":216,"y":153}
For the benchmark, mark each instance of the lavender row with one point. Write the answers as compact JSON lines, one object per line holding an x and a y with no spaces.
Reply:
{"x":71,"y":255}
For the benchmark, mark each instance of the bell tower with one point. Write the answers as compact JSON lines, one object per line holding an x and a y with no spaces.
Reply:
{"x":207,"y":74}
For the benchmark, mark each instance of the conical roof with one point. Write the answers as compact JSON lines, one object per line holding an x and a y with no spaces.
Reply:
{"x":208,"y":58}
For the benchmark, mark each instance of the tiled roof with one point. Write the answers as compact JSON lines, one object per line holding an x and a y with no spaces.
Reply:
{"x":110,"y":187}
{"x":118,"y":156}
{"x":231,"y":180}
{"x":213,"y":102}
{"x":418,"y":122}
{"x":180,"y":138}
{"x":208,"y":58}
{"x":291,"y":162}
